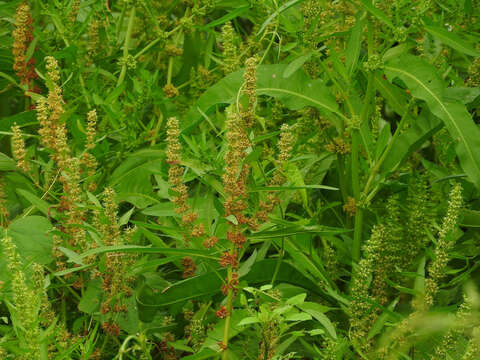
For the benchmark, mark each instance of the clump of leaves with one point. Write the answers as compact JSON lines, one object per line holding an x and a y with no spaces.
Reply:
{"x":239,"y":180}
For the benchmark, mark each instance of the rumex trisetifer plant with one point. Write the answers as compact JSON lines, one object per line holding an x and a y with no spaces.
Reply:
{"x":199,"y":179}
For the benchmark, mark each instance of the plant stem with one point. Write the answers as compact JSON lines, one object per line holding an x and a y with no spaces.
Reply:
{"x":228,"y":318}
{"x":126,"y":44}
{"x":357,"y":234}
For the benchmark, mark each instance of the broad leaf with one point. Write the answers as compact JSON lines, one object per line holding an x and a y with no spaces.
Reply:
{"x":424,"y":83}
{"x":296,"y":92}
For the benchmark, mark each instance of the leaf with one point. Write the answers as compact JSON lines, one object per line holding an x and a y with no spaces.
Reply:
{"x":381,"y":320}
{"x":470,"y":218}
{"x":297,"y":300}
{"x":248,"y":321}
{"x":40,"y":204}
{"x":7,"y":163}
{"x":296,"y":92}
{"x":23,"y":118}
{"x":354,"y":45}
{"x":382,"y":141}
{"x":424,"y":83}
{"x":231,"y":218}
{"x":161,"y":210}
{"x":208,"y":284}
{"x":282,"y":8}
{"x":452,"y":39}
{"x":229,"y":16}
{"x":286,"y":188}
{"x":465,"y":95}
{"x":295,"y":230}
{"x":317,"y":311}
{"x":125,"y":218}
{"x":295,"y":177}
{"x":90,"y":301}
{"x":422,"y":128}
{"x":202,"y":355}
{"x":148,"y":250}
{"x":367,"y":4}
{"x":296,"y":64}
{"x":299,"y":317}
{"x":31,"y":236}
{"x":132,"y":179}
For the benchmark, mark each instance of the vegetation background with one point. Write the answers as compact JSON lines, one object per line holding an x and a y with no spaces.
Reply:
{"x":239,"y":179}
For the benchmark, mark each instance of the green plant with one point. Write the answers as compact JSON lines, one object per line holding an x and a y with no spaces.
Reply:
{"x":271,"y":179}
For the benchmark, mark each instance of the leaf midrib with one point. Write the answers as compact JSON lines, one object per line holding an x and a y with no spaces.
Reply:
{"x":442,"y":106}
{"x":306,"y":98}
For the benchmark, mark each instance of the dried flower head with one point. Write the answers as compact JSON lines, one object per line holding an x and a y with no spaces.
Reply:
{"x":170,"y":91}
{"x":22,"y":37}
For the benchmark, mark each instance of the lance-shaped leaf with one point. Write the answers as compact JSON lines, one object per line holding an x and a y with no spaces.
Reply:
{"x":209,"y":284}
{"x":296,"y":92}
{"x":424,"y":83}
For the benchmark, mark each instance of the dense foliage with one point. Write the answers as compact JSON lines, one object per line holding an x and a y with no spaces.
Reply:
{"x":239,"y":179}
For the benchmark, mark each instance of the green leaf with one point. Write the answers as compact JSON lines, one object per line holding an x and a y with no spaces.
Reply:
{"x":282,"y":8}
{"x":248,"y":321}
{"x":229,"y":16}
{"x":23,"y":118}
{"x":296,"y":92}
{"x":452,"y":39}
{"x":296,"y":64}
{"x":297,"y":300}
{"x":148,"y":250}
{"x":132,"y":179}
{"x":424,"y":83}
{"x":465,"y":95}
{"x":295,"y":230}
{"x":380,"y":15}
{"x":286,"y":188}
{"x":208,"y":284}
{"x":317,"y":311}
{"x":422,"y":128}
{"x":354,"y":45}
{"x":299,"y":317}
{"x":40,"y":204}
{"x":202,"y":355}
{"x":470,"y":218}
{"x":92,"y":297}
{"x":31,"y":236}
{"x":381,"y":320}
{"x":7,"y":163}
{"x":161,"y":210}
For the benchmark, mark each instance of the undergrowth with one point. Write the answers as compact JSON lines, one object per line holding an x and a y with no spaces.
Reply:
{"x":218,"y":179}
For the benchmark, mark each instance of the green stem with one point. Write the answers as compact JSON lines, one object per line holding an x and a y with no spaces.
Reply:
{"x":170,"y":70}
{"x":228,"y":318}
{"x":126,"y":44}
{"x":357,"y":234}
{"x":170,"y":60}
{"x":341,"y":178}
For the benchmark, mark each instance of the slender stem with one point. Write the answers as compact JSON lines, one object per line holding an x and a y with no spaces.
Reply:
{"x":147,"y":47}
{"x":357,"y":233}
{"x":170,"y":61}
{"x":341,"y":177}
{"x":126,"y":44}
{"x":170,"y":70}
{"x":228,"y":318}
